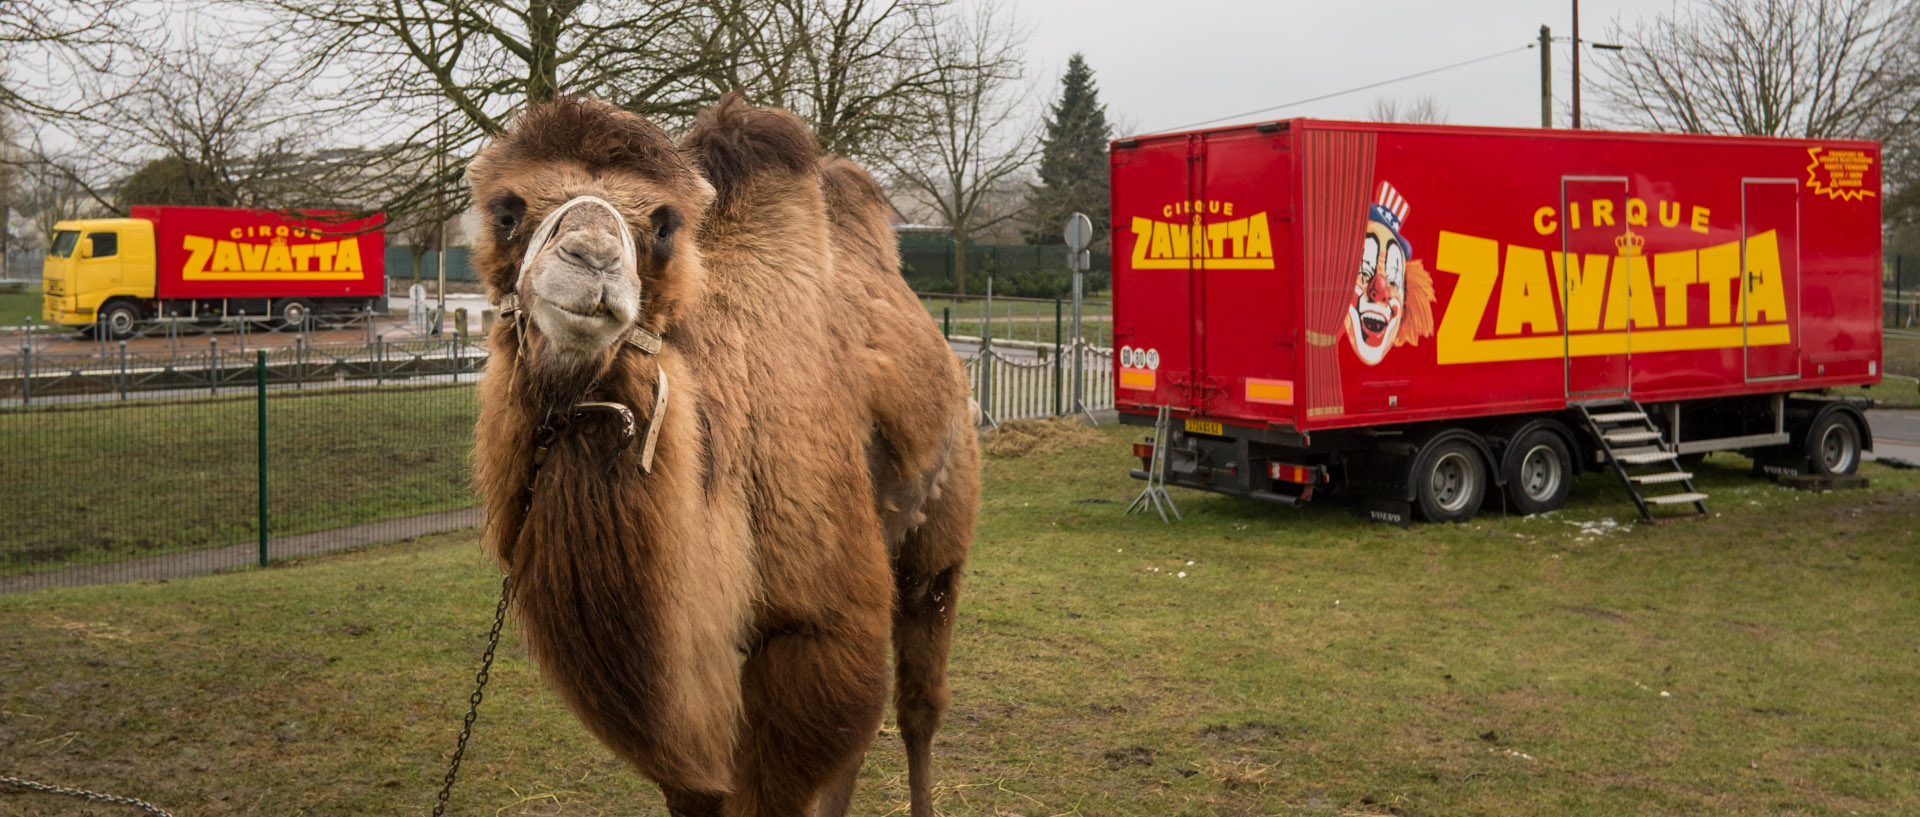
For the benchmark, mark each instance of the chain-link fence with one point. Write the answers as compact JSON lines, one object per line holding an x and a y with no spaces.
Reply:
{"x":148,"y":456}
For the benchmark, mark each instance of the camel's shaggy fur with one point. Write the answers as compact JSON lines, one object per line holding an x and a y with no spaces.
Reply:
{"x":816,"y":479}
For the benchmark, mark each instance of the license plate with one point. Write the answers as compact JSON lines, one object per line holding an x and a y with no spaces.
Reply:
{"x":1205,"y":427}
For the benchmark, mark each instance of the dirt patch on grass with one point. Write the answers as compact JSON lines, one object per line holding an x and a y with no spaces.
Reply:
{"x":1130,"y":756}
{"x":1028,"y":438}
{"x":1249,"y":732}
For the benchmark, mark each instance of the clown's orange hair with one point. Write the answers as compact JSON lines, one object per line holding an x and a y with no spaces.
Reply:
{"x":1418,"y":322}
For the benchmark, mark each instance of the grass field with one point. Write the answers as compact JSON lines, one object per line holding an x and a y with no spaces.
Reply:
{"x":110,"y":481}
{"x":15,"y":307}
{"x":1757,"y":662}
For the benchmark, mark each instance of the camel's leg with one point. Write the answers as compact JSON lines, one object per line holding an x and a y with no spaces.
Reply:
{"x":839,"y":794}
{"x":922,"y":634}
{"x":691,"y":804}
{"x":813,"y":703}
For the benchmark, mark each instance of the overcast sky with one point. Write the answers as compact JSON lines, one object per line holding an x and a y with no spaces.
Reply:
{"x":1162,"y":65}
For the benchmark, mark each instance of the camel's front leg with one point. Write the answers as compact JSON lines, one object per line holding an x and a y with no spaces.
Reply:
{"x":813,"y":702}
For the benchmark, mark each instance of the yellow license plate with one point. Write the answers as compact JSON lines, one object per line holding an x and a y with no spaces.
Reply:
{"x":1205,"y":427}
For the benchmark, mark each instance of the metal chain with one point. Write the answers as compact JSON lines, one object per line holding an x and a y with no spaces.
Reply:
{"x":473,"y":708}
{"x":84,"y":794}
{"x":453,"y":770}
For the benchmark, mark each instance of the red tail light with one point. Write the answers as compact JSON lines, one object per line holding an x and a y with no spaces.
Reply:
{"x":1143,"y":450}
{"x":1290,"y":473}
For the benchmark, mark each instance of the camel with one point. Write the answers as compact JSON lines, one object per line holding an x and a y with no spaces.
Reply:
{"x":723,"y":452}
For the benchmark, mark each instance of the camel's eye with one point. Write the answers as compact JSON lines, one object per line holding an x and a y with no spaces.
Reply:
{"x":506,"y":211}
{"x":665,"y":221}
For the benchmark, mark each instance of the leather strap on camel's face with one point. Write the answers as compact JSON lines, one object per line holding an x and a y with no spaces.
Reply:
{"x":635,"y":336}
{"x":510,"y":306}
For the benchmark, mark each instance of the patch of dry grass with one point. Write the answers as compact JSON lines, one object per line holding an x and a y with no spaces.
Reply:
{"x":1038,"y":437}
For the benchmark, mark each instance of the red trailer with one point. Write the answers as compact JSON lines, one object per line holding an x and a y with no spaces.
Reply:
{"x":1433,"y":315}
{"x":212,"y":263}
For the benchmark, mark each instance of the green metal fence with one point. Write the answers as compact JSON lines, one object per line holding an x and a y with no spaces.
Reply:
{"x":104,"y":487}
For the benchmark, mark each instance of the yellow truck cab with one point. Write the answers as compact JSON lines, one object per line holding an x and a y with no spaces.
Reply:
{"x":99,"y":271}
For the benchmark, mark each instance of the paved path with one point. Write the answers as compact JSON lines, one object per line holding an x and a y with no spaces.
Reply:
{"x":192,"y":563}
{"x":1896,"y":433}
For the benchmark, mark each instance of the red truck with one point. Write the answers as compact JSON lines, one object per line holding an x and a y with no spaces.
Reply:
{"x":211,"y":263}
{"x":1434,"y":316}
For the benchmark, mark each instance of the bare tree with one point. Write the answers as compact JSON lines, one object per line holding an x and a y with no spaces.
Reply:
{"x":44,"y":43}
{"x":979,"y":143}
{"x":1812,"y":68}
{"x":1424,"y":109}
{"x":11,"y":166}
{"x":858,"y":71}
{"x":50,"y":193}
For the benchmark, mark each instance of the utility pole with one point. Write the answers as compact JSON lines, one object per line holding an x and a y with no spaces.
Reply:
{"x":439,"y":212}
{"x":1576,"y":64}
{"x":1546,"y":77}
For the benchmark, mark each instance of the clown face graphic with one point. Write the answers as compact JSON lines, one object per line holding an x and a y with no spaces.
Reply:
{"x":1379,"y":293}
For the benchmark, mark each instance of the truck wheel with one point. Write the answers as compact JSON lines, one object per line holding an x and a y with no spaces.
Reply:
{"x":293,"y":312}
{"x":120,"y":318}
{"x":1833,"y":445}
{"x":1542,"y":473}
{"x":1449,"y":483}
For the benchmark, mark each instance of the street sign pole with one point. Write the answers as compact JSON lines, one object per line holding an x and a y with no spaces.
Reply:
{"x":1079,"y":235}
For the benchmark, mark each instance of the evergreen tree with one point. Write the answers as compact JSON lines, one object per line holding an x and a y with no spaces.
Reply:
{"x":1073,"y":162}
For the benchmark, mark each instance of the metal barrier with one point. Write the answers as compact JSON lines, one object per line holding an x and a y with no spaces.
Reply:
{"x":1025,"y":384}
{"x":176,"y":357}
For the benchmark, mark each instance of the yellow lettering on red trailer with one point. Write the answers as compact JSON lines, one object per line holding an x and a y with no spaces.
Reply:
{"x":253,"y":257}
{"x":1719,"y":268}
{"x":323,"y":252}
{"x":1766,"y":293}
{"x":1619,"y":287}
{"x":1243,"y":243}
{"x":199,"y":250}
{"x":1630,"y":295}
{"x":209,"y":259}
{"x":302,"y":253}
{"x":1673,"y":271}
{"x":278,"y":259}
{"x":1526,"y":297}
{"x":347,"y":258}
{"x":226,"y":257}
{"x":1637,"y":212}
{"x":1585,"y":290}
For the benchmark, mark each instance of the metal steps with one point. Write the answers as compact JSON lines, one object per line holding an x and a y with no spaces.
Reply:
{"x":1629,"y":440}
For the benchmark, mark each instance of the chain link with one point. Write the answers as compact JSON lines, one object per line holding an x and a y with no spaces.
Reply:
{"x":115,"y":799}
{"x":473,"y":701}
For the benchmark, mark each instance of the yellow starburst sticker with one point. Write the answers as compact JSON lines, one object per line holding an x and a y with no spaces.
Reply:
{"x":1841,"y":174}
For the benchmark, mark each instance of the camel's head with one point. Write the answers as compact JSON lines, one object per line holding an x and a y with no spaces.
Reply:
{"x":588,"y":214}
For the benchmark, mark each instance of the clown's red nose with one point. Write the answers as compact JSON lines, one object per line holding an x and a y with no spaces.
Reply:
{"x":1377,"y":289}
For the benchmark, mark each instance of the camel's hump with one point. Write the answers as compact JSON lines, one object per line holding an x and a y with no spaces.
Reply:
{"x":734,"y":142}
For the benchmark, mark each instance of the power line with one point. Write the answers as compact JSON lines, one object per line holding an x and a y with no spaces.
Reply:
{"x":1402,"y":78}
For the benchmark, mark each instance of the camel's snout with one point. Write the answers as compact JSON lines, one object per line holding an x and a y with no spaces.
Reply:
{"x":584,"y":281}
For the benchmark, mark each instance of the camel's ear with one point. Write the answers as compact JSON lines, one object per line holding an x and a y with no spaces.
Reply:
{"x":703,"y":191}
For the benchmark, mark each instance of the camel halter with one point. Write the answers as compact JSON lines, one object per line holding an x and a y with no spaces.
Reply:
{"x":635,"y":336}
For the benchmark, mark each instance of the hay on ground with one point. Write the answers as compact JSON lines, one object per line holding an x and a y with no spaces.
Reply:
{"x":1025,"y":438}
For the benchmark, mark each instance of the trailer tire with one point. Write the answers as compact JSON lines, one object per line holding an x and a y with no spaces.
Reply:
{"x":293,"y":312}
{"x":1833,"y":445}
{"x":119,"y":319}
{"x":1541,"y":472}
{"x":1450,"y":481}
